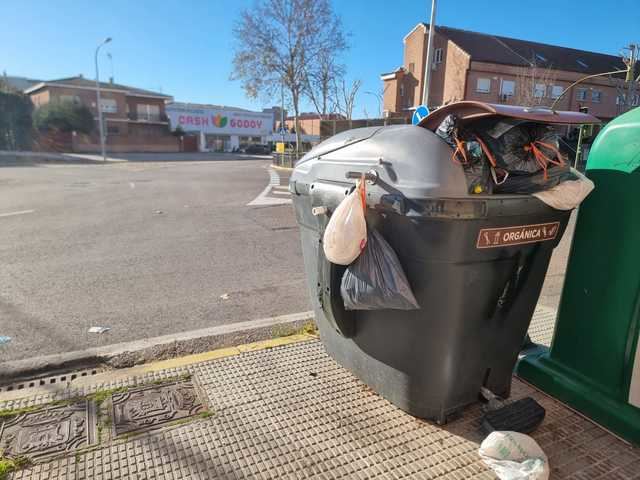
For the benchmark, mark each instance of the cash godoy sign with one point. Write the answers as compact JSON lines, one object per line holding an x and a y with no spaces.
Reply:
{"x":220,"y":121}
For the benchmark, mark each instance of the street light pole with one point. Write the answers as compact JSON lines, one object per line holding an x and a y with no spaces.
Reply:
{"x":100,"y":122}
{"x":429,"y":59}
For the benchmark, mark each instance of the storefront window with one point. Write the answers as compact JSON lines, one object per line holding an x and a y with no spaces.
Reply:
{"x":218,"y":143}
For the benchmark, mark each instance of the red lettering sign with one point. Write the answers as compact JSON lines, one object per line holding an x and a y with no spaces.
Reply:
{"x":507,"y":236}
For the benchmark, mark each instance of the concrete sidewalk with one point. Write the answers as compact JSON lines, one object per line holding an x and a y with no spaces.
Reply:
{"x":271,"y":410}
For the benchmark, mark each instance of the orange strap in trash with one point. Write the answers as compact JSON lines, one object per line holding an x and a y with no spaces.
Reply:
{"x":460,"y":150}
{"x":541,"y":158}
{"x":487,"y":152}
{"x":362,"y":190}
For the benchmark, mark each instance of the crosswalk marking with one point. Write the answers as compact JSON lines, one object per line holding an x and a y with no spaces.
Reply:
{"x":273,"y":193}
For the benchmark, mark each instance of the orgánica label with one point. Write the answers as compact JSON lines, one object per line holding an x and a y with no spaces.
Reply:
{"x":506,"y":236}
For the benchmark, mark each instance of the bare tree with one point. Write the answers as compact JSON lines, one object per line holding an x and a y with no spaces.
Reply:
{"x":320,"y":78}
{"x":345,"y":95}
{"x":278,"y":43}
{"x":533,"y":85}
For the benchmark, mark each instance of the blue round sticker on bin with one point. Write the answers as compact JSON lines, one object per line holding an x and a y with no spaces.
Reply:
{"x":421,"y":112}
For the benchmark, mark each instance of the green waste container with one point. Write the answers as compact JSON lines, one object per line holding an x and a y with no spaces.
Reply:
{"x":594,"y":361}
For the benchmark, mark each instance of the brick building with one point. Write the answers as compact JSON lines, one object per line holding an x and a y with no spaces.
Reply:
{"x":135,"y":119}
{"x":309,"y":122}
{"x":476,"y":66}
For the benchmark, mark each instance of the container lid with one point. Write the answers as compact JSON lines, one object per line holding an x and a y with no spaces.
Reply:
{"x":468,"y":110}
{"x":339,"y":141}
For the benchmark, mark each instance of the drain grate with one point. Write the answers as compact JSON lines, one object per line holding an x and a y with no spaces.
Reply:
{"x":49,"y":380}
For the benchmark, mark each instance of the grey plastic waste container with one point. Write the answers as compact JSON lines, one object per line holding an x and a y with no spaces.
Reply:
{"x":476,"y":265}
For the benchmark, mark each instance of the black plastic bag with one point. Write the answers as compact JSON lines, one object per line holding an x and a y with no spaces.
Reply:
{"x":527,"y":183}
{"x":512,"y":145}
{"x":376,"y":281}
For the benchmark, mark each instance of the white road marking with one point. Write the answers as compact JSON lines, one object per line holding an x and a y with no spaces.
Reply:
{"x":280,"y":192}
{"x":11,"y":214}
{"x":264,"y":199}
{"x":132,"y":185}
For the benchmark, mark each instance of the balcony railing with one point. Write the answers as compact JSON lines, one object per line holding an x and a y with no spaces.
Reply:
{"x":147,"y":117}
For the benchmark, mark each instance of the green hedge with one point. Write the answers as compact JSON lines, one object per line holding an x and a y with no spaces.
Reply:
{"x":64,"y":117}
{"x":15,"y":121}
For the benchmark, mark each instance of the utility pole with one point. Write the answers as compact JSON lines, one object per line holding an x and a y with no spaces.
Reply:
{"x":429,"y":59}
{"x":100,"y":121}
{"x":633,"y":58}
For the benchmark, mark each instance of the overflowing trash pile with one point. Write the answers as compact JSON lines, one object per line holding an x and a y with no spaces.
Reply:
{"x":514,"y":156}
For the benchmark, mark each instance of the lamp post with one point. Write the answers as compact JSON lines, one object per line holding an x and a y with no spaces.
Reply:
{"x":429,"y":59}
{"x":100,"y":122}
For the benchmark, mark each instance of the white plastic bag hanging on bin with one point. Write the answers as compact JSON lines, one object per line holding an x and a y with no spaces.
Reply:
{"x":346,"y":232}
{"x":514,"y":456}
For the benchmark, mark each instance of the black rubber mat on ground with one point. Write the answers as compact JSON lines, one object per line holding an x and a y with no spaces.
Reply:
{"x":522,"y":416}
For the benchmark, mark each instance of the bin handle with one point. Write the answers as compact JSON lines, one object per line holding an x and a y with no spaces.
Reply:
{"x":371,"y":176}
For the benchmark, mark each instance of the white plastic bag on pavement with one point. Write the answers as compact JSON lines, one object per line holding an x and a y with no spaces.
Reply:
{"x":346,"y":232}
{"x":514,"y":456}
{"x":568,"y":194}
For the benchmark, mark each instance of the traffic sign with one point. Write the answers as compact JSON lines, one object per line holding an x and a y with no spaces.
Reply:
{"x":421,"y":112}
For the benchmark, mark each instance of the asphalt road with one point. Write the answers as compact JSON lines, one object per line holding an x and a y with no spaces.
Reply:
{"x":150,"y":248}
{"x":145,"y":248}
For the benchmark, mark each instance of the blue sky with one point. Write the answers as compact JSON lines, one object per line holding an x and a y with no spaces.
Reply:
{"x":184,"y":48}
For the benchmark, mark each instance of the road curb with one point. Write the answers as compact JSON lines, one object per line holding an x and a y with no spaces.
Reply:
{"x":278,"y":167}
{"x":128,"y":354}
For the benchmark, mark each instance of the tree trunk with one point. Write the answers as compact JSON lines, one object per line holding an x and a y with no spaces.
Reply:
{"x":296,"y":113}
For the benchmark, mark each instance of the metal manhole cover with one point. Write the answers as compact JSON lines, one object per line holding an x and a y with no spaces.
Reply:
{"x":148,"y":407}
{"x":51,"y":431}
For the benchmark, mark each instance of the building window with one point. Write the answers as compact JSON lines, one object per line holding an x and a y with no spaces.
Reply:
{"x":596,"y":96}
{"x":581,"y":94}
{"x":539,"y":90}
{"x":483,"y":85}
{"x":437,"y":56}
{"x":556,"y":91}
{"x":148,"y":113}
{"x":508,"y":88}
{"x":402,"y":89}
{"x":75,"y":99}
{"x":108,"y":105}
{"x":621,"y":99}
{"x":113,"y":130}
{"x":412,"y":67}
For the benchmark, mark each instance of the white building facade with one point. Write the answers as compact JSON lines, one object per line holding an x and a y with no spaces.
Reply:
{"x":221,"y":129}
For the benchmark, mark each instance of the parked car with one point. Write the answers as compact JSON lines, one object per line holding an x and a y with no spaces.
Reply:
{"x":257,"y":149}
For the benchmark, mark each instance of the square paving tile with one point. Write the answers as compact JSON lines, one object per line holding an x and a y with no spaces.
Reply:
{"x":148,"y":407}
{"x":51,"y":431}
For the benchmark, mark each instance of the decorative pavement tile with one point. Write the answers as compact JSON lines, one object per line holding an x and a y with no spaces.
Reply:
{"x":48,"y":432}
{"x":148,"y":407}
